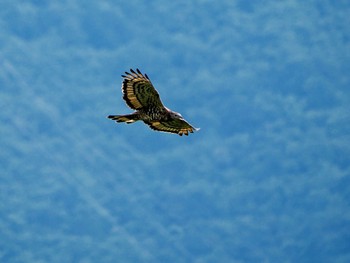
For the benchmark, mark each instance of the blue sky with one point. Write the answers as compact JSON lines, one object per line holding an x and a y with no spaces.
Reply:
{"x":266,"y":179}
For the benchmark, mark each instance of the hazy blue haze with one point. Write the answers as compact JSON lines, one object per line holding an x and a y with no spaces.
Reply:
{"x":266,"y":179}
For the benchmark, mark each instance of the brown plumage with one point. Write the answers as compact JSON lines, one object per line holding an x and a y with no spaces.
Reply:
{"x":140,"y":95}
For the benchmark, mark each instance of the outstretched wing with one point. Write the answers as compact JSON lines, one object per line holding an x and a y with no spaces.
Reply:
{"x":138,"y":91}
{"x":179,"y":126}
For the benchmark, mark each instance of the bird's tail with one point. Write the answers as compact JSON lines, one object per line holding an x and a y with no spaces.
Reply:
{"x":129,"y":118}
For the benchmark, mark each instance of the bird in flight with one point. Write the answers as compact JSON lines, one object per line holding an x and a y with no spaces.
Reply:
{"x":140,"y":95}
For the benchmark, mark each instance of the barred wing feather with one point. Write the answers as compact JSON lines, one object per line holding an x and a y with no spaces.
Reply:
{"x":138,"y":91}
{"x":178,"y":126}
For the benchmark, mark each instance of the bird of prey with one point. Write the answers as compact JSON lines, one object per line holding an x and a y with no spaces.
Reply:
{"x":140,"y":95}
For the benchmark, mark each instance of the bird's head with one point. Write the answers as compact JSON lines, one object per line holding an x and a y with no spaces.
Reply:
{"x":175,"y":115}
